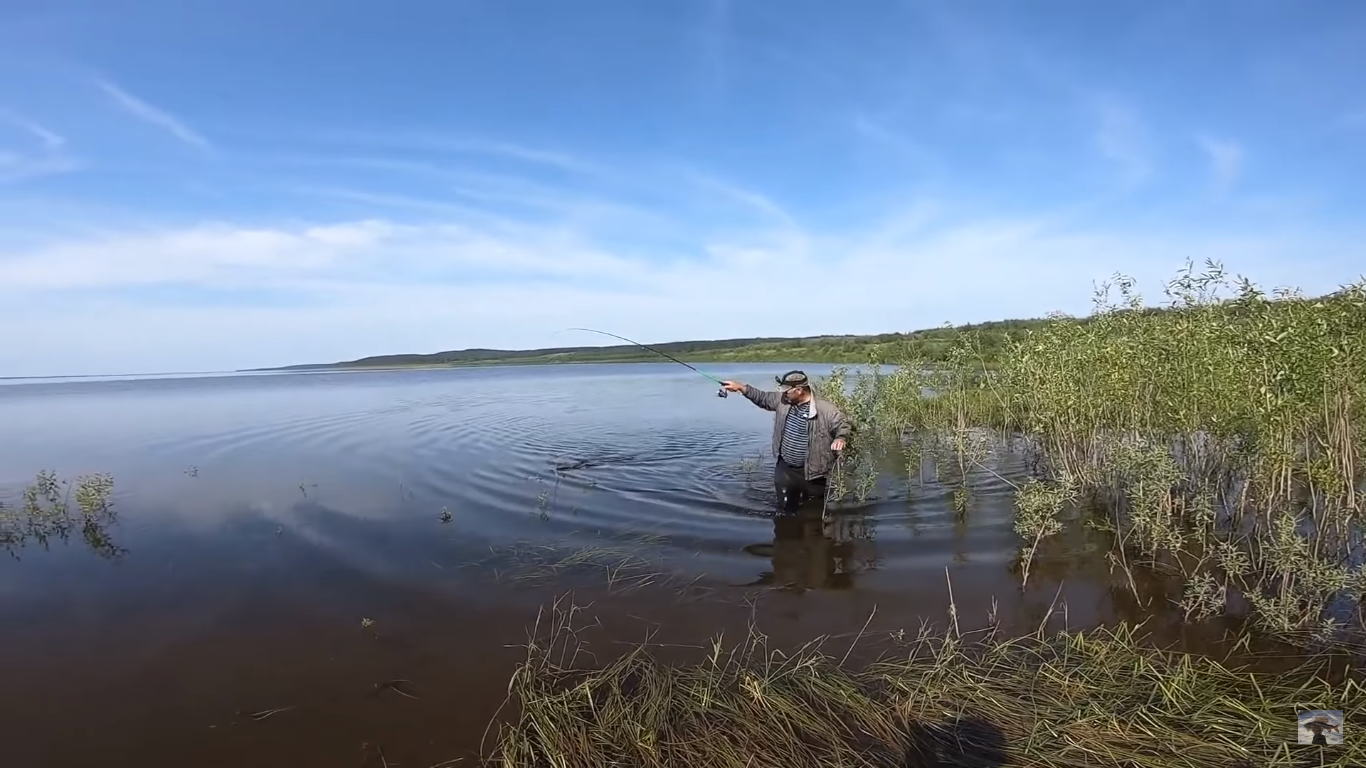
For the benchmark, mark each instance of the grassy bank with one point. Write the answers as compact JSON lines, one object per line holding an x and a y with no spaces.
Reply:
{"x":1100,"y":698}
{"x":1221,"y":439}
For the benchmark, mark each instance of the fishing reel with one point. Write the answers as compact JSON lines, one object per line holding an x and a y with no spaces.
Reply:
{"x":722,"y":392}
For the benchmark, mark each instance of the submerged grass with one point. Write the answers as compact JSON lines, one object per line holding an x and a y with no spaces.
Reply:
{"x":617,"y":561}
{"x":1098,"y":698}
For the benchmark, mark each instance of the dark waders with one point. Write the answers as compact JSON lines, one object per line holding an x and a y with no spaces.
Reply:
{"x":793,"y":488}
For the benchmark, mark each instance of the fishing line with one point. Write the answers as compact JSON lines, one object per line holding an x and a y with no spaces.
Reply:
{"x":720,"y":393}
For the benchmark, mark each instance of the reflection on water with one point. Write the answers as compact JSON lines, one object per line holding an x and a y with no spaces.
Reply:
{"x":261,"y":518}
{"x":812,"y":552}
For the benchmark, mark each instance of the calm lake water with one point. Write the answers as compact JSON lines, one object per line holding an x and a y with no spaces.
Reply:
{"x":263,"y":517}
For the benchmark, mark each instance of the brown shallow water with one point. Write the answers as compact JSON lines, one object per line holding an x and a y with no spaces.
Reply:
{"x":263,"y":517}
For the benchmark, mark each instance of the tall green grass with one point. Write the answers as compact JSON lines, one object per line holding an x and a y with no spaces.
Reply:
{"x":1221,"y":435}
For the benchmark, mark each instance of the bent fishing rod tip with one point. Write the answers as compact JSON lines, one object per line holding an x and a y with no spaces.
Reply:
{"x":719,"y":393}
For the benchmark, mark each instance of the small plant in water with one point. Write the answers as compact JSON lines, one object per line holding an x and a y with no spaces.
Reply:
{"x":47,"y":514}
{"x":1038,"y":505}
{"x":961,"y":497}
{"x":748,"y":466}
{"x":1204,"y":597}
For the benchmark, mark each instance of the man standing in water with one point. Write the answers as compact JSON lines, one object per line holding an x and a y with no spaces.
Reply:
{"x":808,"y":434}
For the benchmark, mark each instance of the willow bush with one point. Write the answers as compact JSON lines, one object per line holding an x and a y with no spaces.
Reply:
{"x":1222,"y":434}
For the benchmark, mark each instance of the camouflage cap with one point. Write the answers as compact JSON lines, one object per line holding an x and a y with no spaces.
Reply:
{"x":793,"y":379}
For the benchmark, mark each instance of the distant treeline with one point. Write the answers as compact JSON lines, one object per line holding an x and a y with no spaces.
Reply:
{"x":930,"y":344}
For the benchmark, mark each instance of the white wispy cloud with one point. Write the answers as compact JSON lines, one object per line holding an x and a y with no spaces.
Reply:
{"x":1121,"y":136}
{"x":749,"y":198}
{"x":437,"y":142}
{"x":532,"y":155}
{"x":1225,"y":158}
{"x":900,"y":144}
{"x":25,"y":164}
{"x":152,"y":115}
{"x":490,"y":188}
{"x":396,"y":202}
{"x":50,"y":139}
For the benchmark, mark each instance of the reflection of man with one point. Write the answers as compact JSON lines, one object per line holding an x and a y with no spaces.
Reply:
{"x":808,"y":434}
{"x":1317,"y":726}
{"x":803,"y":556}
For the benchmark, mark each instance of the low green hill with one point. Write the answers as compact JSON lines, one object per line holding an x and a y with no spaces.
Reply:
{"x":930,"y":343}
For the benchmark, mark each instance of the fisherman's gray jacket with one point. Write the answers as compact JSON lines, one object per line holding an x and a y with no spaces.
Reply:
{"x":824,"y":426}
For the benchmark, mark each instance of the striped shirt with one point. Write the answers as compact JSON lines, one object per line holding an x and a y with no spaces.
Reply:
{"x":795,"y":435}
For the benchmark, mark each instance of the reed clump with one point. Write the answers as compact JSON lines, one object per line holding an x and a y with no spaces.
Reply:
{"x":1097,"y":698}
{"x":1221,"y":435}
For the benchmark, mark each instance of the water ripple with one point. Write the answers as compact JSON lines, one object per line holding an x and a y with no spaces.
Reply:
{"x":542,"y":457}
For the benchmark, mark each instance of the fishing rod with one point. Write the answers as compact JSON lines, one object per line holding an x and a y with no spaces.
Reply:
{"x":719,"y":393}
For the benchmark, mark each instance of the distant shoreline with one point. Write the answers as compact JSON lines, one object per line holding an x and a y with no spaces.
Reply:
{"x":341,"y":367}
{"x":325,"y":368}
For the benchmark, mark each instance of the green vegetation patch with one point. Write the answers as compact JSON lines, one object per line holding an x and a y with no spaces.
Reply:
{"x":1220,"y":437}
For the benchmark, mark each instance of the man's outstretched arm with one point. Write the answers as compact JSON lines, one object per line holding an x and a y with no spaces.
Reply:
{"x":766,"y":400}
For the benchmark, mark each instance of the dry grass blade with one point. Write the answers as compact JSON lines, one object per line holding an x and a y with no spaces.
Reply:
{"x":394,"y":685}
{"x":265,"y":713}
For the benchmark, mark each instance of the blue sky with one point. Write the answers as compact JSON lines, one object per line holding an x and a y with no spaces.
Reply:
{"x":196,"y":186}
